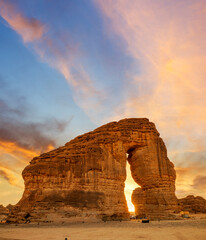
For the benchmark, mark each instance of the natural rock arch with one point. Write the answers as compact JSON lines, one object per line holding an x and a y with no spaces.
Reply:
{"x":86,"y":176}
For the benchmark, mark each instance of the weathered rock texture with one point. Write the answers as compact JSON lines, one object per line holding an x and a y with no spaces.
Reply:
{"x":86,"y":176}
{"x":4,"y":212}
{"x":193,"y":204}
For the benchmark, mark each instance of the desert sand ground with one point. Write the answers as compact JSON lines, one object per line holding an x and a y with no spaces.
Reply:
{"x":188,"y":229}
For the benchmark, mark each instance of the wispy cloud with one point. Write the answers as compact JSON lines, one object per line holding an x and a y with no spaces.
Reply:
{"x":29,"y":28}
{"x":59,"y":52}
{"x":200,"y":182}
{"x":65,"y":59}
{"x":20,"y":136}
{"x":8,"y":176}
{"x":168,"y":48}
{"x":166,"y":41}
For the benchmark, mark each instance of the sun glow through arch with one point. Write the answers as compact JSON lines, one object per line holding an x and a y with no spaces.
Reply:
{"x":130,"y":185}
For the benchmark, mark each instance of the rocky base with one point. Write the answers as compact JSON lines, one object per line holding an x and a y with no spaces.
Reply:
{"x":61,"y":215}
{"x":4,"y":212}
{"x":155,"y":204}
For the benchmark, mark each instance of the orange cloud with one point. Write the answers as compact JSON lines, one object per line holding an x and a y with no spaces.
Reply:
{"x":30,"y":29}
{"x":15,"y":150}
{"x":169,"y":49}
{"x":190,"y":173}
{"x":9,"y":176}
{"x":13,"y":159}
{"x":18,"y":157}
{"x":189,"y":181}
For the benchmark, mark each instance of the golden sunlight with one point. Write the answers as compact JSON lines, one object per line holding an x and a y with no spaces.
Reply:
{"x":130,"y":185}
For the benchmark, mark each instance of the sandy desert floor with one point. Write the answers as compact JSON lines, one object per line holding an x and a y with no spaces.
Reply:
{"x":187,"y":229}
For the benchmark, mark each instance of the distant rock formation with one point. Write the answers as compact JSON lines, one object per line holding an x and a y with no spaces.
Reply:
{"x":193,"y":204}
{"x":4,"y":212}
{"x":85,"y":178}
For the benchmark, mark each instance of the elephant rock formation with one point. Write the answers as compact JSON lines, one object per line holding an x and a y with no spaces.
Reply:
{"x":85,"y":178}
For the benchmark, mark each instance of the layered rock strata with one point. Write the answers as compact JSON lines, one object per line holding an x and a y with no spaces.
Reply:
{"x":86,"y":177}
{"x":193,"y":204}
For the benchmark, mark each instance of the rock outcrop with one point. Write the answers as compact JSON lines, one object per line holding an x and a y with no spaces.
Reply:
{"x":4,"y":212}
{"x":193,"y":204}
{"x":86,"y":177}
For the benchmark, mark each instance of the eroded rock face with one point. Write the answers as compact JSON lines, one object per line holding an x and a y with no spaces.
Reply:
{"x":153,"y":171}
{"x":193,"y":204}
{"x":86,"y":176}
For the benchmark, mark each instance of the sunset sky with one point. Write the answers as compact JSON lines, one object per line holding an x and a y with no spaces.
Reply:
{"x":67,"y":67}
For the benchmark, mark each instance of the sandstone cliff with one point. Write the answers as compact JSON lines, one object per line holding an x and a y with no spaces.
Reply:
{"x":86,"y":176}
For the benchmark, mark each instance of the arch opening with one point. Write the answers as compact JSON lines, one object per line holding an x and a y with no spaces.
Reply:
{"x":130,"y":185}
